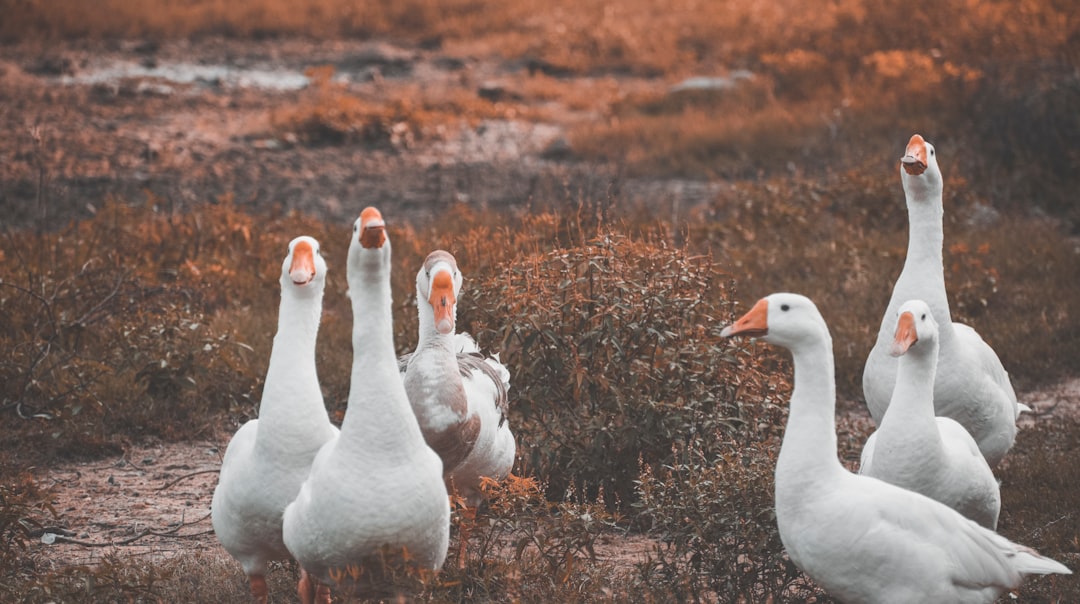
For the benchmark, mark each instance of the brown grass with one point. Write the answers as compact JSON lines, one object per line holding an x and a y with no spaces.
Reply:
{"x":142,"y":322}
{"x":523,"y":271}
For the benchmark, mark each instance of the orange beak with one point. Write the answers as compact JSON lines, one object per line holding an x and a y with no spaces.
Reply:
{"x":754,"y":323}
{"x":372,"y":228}
{"x":914,"y":159}
{"x":442,"y":300}
{"x":302,"y":269}
{"x":905,"y":336}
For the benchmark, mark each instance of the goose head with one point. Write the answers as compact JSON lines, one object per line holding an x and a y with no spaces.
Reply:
{"x":369,"y":249}
{"x":919,"y":170}
{"x":437,"y":284}
{"x":304,"y":266}
{"x":915,"y":324}
{"x":783,"y":319}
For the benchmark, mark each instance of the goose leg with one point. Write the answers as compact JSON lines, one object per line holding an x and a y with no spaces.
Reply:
{"x":468,"y":519}
{"x":311,"y":591}
{"x":258,"y":589}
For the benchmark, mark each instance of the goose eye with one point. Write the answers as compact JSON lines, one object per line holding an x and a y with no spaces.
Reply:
{"x":924,"y":317}
{"x":785,"y":307}
{"x":931,"y":152}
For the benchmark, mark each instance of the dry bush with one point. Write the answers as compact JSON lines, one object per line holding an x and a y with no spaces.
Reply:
{"x":839,"y":242}
{"x":526,"y":549}
{"x":716,"y":519}
{"x":613,"y":359}
{"x":712,"y":508}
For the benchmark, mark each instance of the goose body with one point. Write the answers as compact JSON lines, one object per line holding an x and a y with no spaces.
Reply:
{"x":493,"y":454}
{"x":972,"y":386}
{"x":268,"y":458}
{"x":914,"y":449}
{"x":377,"y":488}
{"x":459,"y":397}
{"x":860,"y":538}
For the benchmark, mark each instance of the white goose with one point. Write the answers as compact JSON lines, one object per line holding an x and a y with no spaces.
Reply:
{"x":459,"y":397}
{"x":268,"y":458}
{"x":972,"y":387}
{"x":862,"y":539}
{"x":377,"y":489}
{"x":914,"y":449}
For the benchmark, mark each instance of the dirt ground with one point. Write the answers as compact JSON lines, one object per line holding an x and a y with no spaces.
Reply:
{"x":154,"y":502}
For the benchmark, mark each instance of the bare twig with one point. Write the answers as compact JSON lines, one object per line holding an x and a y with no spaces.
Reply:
{"x":85,"y":318}
{"x":39,"y":161}
{"x":1037,"y":532}
{"x":170,"y":533}
{"x":186,"y":476}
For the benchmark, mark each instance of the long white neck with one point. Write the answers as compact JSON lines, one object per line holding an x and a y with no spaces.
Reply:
{"x":434,"y":384}
{"x":912,"y":404}
{"x":379,"y":418}
{"x":809,"y":448}
{"x":923,"y":276}
{"x":428,"y":336}
{"x":292,"y":400}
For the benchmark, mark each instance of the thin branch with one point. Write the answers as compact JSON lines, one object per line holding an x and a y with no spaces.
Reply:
{"x":186,"y":476}
{"x":84,"y":319}
{"x":170,"y":533}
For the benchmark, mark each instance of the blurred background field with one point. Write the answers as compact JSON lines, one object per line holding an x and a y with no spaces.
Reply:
{"x":618,"y":182}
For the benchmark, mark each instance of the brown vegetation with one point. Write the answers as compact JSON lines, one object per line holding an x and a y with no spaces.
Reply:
{"x":151,"y":320}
